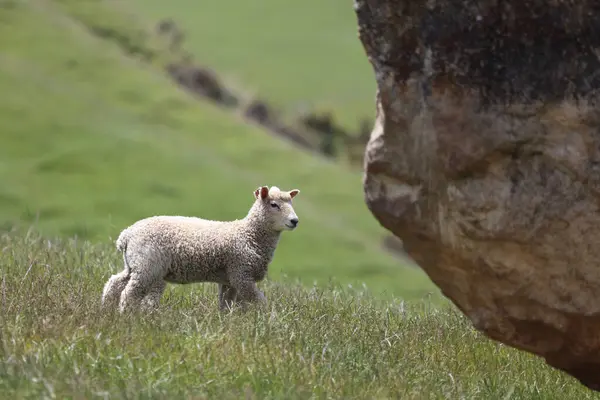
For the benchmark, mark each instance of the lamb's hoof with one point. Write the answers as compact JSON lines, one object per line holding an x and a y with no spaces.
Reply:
{"x":227,"y":306}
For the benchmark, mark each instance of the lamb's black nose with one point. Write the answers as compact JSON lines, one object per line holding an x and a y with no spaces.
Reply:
{"x":294,"y":221}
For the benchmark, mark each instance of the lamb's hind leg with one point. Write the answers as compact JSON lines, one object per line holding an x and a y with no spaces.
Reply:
{"x":152,"y":298}
{"x":113,"y":288}
{"x":139,"y":285}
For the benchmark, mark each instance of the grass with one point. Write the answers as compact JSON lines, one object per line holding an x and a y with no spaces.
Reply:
{"x":94,"y":138}
{"x":292,"y":53}
{"x":56,"y":342}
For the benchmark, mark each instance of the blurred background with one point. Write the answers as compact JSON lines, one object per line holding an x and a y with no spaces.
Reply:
{"x":112,"y":111}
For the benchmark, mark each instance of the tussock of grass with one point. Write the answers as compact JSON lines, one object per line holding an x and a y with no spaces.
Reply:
{"x":55,"y":341}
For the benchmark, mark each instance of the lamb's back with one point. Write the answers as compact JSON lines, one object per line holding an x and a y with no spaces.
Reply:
{"x":197,"y":249}
{"x":179,"y":230}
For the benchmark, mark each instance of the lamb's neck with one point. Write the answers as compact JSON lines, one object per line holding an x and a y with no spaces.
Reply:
{"x":263,"y":239}
{"x":262,"y":236}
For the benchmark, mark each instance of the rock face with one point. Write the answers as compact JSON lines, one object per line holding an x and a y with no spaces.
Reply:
{"x":485,"y":160}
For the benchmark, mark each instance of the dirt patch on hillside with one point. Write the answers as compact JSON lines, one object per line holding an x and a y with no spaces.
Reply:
{"x":317,"y":132}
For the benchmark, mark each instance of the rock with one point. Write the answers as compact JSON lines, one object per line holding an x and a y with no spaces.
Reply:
{"x":202,"y":81}
{"x":485,"y":160}
{"x":324,"y":124}
{"x":166,"y":26}
{"x":259,"y":111}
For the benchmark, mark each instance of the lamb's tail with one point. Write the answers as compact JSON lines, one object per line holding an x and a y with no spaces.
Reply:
{"x":122,"y":242}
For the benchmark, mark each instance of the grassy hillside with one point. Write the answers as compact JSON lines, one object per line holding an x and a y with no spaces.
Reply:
{"x":93,"y":139}
{"x":56,"y":343}
{"x":290,"y":52}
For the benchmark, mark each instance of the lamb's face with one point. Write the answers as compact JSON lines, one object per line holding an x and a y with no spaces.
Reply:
{"x":281,"y":214}
{"x":277,"y":206}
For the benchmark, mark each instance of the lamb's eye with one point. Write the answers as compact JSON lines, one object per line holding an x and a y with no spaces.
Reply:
{"x":274,"y":205}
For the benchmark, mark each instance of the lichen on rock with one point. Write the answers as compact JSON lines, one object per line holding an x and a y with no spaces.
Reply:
{"x":485,"y":160}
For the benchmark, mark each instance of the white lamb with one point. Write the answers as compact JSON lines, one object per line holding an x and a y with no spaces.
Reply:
{"x":234,"y":254}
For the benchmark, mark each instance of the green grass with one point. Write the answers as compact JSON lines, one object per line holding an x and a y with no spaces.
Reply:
{"x":56,"y":342}
{"x":93,"y":139}
{"x":293,"y":53}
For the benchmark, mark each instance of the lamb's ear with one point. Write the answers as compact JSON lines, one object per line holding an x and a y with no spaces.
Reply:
{"x":262,"y":191}
{"x":294,"y":193}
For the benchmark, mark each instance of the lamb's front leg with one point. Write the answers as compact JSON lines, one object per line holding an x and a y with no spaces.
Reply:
{"x":246,"y":289}
{"x":227,"y":297}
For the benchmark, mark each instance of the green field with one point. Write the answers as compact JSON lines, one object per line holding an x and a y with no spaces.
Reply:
{"x":291,"y":53}
{"x":93,"y":139}
{"x":55,"y":342}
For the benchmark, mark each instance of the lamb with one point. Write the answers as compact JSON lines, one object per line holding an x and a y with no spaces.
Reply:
{"x":182,"y":250}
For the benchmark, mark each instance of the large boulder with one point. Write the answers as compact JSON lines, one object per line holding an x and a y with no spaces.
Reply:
{"x":485,"y":160}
